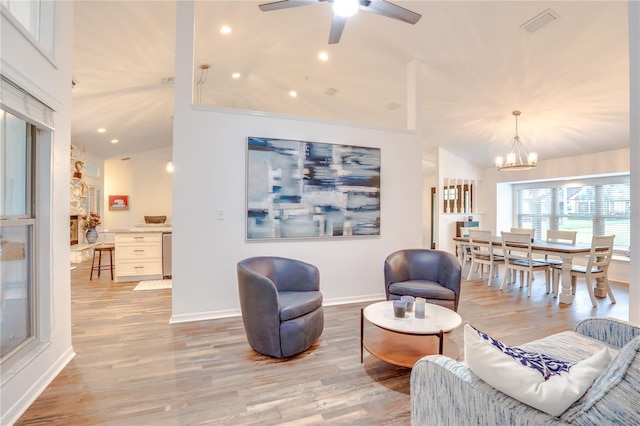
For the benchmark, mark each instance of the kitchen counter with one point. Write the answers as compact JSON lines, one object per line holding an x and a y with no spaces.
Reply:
{"x":138,"y":229}
{"x":139,"y":252}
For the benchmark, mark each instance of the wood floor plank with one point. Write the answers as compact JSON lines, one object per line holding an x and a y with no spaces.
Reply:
{"x":134,"y":368}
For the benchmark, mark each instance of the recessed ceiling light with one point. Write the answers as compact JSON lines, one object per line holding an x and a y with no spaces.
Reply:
{"x":331,"y":91}
{"x":323,"y":56}
{"x":114,"y":141}
{"x":293,"y":94}
{"x":225,"y":29}
{"x":235,"y":75}
{"x":102,"y":130}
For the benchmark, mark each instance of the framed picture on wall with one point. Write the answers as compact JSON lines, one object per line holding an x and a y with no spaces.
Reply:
{"x":298,"y":189}
{"x":118,"y":202}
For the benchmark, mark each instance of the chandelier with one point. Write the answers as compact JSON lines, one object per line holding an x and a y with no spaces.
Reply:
{"x":517,"y":158}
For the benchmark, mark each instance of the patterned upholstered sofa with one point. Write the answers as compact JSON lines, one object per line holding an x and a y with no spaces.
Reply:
{"x":446,"y":392}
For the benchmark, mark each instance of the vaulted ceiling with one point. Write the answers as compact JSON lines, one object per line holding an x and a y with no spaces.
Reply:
{"x":474,"y":65}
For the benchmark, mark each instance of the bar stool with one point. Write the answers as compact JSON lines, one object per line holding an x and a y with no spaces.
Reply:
{"x":99,"y":249}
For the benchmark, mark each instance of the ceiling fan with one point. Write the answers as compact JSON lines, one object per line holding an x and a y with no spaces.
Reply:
{"x":342,"y":9}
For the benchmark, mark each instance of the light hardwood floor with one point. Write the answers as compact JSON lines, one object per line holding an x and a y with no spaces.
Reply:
{"x":134,"y":368}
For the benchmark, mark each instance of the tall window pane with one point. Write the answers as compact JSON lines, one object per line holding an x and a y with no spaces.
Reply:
{"x":17,"y":230}
{"x":599,"y":206}
{"x":14,"y":180}
{"x":16,"y":321}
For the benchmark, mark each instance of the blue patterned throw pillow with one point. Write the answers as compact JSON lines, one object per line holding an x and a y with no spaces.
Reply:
{"x":543,"y":364}
{"x":535,"y":379}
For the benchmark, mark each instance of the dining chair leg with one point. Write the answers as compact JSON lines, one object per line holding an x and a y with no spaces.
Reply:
{"x":609,"y":291}
{"x":507,"y":272}
{"x":470,"y":271}
{"x":529,"y":279}
{"x":590,"y":288}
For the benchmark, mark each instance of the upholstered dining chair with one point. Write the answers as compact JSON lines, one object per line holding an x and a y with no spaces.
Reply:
{"x":432,"y":274}
{"x":516,"y":248}
{"x":281,"y":304}
{"x":597,"y":266}
{"x":482,"y":253}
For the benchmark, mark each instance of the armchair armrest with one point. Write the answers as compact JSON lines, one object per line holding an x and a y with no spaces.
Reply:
{"x":445,"y":392}
{"x":612,"y":331}
{"x":450,"y":272}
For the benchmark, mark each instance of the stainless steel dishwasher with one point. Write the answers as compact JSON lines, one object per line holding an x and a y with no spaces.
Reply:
{"x":166,"y":254}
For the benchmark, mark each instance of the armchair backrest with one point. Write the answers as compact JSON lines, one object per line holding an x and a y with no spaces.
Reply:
{"x":295,"y":275}
{"x":613,"y":397}
{"x":423,"y":264}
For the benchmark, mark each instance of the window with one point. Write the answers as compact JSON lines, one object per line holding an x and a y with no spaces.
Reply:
{"x":36,"y":16}
{"x":598,"y":206}
{"x":17,"y":231}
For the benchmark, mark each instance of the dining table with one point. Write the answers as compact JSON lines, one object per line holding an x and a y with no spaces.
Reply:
{"x":566,"y":252}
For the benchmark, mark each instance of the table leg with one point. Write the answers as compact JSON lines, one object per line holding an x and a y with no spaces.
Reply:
{"x":565,"y":294}
{"x":361,"y":335}
{"x":441,"y":337}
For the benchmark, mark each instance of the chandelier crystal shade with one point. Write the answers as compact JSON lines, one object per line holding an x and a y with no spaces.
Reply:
{"x":517,"y":158}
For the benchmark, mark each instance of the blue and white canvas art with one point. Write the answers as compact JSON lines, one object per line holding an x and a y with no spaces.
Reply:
{"x":298,"y":189}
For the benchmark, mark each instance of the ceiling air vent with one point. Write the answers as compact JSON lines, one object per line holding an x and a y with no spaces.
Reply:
{"x":539,"y":21}
{"x":331,"y":91}
{"x":392,"y":106}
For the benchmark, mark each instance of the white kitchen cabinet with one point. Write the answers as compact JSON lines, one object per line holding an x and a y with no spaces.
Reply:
{"x":138,"y":256}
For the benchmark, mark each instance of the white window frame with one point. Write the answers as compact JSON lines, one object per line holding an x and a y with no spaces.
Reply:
{"x":554,"y":217}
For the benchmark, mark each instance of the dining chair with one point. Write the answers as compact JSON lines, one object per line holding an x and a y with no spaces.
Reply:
{"x":531,"y":232}
{"x":597,"y":266}
{"x":563,"y":237}
{"x":464,"y":232}
{"x":516,"y":248}
{"x":482,"y":253}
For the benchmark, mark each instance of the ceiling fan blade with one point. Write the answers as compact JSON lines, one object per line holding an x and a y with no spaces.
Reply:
{"x":390,"y":10}
{"x":285,"y":4}
{"x":337,"y":25}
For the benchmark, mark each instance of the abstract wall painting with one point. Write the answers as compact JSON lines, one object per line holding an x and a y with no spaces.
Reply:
{"x":298,"y":189}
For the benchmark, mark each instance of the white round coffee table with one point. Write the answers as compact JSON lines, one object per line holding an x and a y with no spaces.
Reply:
{"x":403,"y":341}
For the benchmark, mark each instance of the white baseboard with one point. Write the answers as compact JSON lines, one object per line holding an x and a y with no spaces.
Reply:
{"x":10,"y":416}
{"x":228,"y":313}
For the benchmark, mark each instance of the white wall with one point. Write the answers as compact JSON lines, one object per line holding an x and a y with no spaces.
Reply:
{"x":143,"y":177}
{"x":209,"y":155}
{"x":26,"y":66}
{"x":452,"y":167}
{"x":497,"y":184}
{"x":634,"y":157}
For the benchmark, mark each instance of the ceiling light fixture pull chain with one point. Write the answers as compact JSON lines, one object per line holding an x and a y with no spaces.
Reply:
{"x":204,"y":71}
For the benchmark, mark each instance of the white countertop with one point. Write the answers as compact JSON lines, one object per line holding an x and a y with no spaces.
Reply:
{"x":137,"y":230}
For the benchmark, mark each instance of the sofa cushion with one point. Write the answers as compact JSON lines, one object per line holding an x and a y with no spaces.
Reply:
{"x":536,"y":379}
{"x":294,"y":304}
{"x":613,"y":398}
{"x":422,"y":288}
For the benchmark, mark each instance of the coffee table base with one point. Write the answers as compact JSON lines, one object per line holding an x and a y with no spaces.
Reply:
{"x":402,"y":349}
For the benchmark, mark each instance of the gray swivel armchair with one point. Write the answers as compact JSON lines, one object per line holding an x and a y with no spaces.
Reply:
{"x":432,"y":274}
{"x":281,"y":304}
